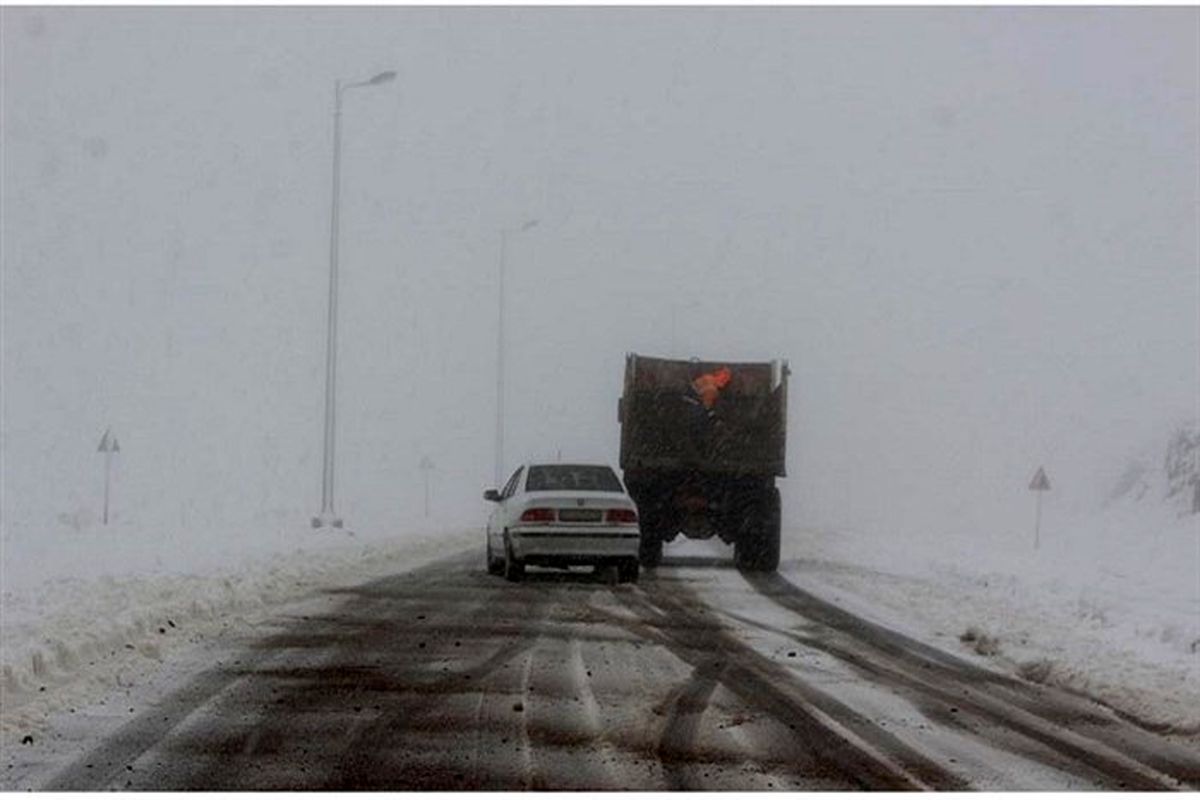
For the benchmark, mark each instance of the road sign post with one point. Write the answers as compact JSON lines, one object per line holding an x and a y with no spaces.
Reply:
{"x":1039,"y":485}
{"x":108,"y":446}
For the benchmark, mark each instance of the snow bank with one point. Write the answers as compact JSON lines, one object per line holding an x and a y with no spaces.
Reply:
{"x":1106,"y":603}
{"x":123,"y":602}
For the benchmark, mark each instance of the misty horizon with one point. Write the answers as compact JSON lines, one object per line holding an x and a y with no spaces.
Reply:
{"x":972,"y":232}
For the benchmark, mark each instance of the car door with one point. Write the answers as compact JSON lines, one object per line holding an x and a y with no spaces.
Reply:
{"x":498,"y":520}
{"x":507,"y":504}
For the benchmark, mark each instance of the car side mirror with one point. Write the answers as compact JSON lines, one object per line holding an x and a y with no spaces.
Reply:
{"x":493,"y":495}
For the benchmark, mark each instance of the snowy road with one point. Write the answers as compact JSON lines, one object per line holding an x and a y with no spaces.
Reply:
{"x":697,"y":678}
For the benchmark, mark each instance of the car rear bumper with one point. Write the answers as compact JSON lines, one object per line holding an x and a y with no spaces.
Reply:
{"x":573,"y":545}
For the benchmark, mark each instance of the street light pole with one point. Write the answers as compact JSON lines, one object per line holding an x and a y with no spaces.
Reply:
{"x":504,"y":233}
{"x":327,"y":517}
{"x":499,"y":449}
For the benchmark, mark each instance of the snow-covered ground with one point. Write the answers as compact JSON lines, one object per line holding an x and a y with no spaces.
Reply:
{"x":1107,"y":603}
{"x":125,"y":601}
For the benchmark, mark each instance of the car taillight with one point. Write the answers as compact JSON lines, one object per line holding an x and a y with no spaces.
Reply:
{"x":538,"y":515}
{"x":622,"y":516}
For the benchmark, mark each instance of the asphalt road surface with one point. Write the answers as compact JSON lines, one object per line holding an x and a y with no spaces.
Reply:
{"x":447,"y":678}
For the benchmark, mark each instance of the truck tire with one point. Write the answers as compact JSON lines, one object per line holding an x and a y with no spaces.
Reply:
{"x":745,"y":550}
{"x":768,"y":553}
{"x":650,"y":550}
{"x":757,"y":550}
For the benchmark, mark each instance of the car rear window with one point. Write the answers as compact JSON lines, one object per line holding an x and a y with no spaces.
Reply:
{"x":557,"y":477}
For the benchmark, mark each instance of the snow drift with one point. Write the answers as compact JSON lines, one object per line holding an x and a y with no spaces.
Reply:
{"x":71,"y":638}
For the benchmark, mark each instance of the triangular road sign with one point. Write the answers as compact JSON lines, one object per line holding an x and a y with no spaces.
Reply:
{"x":1040,"y":482}
{"x":108,"y":443}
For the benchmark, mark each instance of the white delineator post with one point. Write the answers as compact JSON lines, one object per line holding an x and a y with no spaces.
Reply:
{"x":108,"y":446}
{"x":425,"y":466}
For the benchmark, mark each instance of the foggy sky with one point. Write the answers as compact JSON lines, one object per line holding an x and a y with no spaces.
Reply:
{"x":972,"y":232}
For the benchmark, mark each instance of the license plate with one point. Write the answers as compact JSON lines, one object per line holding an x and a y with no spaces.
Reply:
{"x":579,"y":514}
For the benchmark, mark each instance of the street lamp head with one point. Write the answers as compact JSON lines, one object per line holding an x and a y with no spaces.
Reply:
{"x":383,"y":77}
{"x":531,"y":223}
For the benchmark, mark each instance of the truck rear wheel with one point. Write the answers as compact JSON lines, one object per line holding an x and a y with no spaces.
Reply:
{"x":650,"y":550}
{"x":627,"y":571}
{"x":745,"y":551}
{"x":768,"y":554}
{"x":757,"y":549}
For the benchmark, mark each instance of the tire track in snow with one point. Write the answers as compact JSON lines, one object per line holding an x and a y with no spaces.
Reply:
{"x":218,"y":729}
{"x":528,"y":778}
{"x":839,"y":741}
{"x":565,"y":741}
{"x":416,"y":706}
{"x":677,"y":742}
{"x":1084,"y":738}
{"x":102,"y":766}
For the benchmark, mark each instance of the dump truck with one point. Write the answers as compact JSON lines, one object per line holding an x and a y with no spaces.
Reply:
{"x":702,"y":443}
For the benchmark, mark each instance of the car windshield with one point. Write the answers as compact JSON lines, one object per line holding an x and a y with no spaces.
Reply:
{"x":556,"y":477}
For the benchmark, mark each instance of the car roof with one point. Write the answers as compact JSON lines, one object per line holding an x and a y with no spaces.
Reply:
{"x":570,"y":465}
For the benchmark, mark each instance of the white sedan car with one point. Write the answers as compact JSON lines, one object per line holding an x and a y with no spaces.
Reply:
{"x":559,"y":515}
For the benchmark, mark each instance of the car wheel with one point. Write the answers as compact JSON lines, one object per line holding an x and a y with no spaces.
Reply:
{"x":495,"y":566}
{"x":514,"y":569}
{"x":627,"y":571}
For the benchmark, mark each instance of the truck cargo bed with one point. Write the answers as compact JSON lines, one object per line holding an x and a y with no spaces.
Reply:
{"x":664,"y":427}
